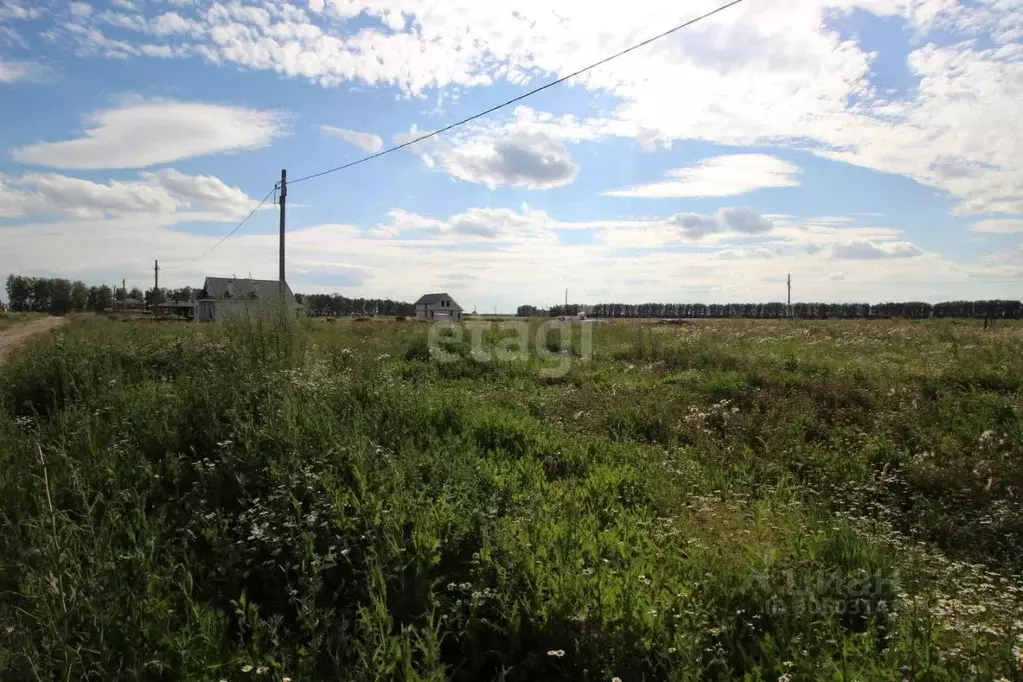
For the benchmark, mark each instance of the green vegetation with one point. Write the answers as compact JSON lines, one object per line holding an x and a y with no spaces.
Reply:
{"x":752,"y":500}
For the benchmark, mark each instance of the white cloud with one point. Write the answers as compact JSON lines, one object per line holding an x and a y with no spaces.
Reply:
{"x":771,"y":75}
{"x":476,"y":224}
{"x":172,"y":22}
{"x":721,"y":176}
{"x":864,"y":250}
{"x":365,"y":141}
{"x":532,"y":160}
{"x":530,"y":150}
{"x":166,"y":192}
{"x":143,"y":133}
{"x":1007,"y":226}
{"x":13,"y":72}
{"x":80,"y":9}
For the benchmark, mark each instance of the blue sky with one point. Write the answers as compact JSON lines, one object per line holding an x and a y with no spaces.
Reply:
{"x":871,"y":150}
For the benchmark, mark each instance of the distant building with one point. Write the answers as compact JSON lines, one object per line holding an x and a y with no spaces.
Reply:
{"x":223,"y":298}
{"x":185,"y":309}
{"x":129,"y":304}
{"x":438,"y":307}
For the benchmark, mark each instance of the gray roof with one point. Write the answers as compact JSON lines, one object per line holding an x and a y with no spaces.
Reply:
{"x":226,"y":288}
{"x":434,"y":299}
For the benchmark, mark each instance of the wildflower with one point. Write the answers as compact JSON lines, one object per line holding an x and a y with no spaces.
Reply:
{"x":784,"y":678}
{"x":616,"y":679}
{"x":246,"y":668}
{"x":286,"y":679}
{"x":557,"y":653}
{"x":261,"y":669}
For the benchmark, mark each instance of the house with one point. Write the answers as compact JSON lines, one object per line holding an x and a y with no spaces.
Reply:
{"x":437,"y":307}
{"x":223,"y":298}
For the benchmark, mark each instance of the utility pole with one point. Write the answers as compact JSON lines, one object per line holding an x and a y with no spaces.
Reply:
{"x":283,"y":200}
{"x":566,"y":301}
{"x":788,"y":310}
{"x":156,"y":282}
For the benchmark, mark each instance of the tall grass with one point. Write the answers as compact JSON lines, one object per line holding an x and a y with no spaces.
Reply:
{"x":715,"y":502}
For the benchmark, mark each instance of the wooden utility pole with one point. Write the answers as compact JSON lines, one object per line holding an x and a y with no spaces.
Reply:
{"x":283,"y":200}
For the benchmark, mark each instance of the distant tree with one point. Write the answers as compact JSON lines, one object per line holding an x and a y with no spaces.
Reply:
{"x":41,"y":291}
{"x":79,"y":296}
{"x":19,"y":293}
{"x":155,"y":296}
{"x":100,"y":298}
{"x":60,"y":297}
{"x":135,"y":293}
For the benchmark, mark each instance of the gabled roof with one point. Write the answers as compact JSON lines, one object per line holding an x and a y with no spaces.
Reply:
{"x":435,"y":299}
{"x":229,"y":289}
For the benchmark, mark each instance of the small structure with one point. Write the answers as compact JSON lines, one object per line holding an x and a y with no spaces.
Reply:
{"x":129,"y":304}
{"x":185,"y":309}
{"x":224,"y":298}
{"x":438,"y":307}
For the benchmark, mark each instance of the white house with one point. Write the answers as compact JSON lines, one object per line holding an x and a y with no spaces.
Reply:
{"x":223,"y":298}
{"x":437,"y":307}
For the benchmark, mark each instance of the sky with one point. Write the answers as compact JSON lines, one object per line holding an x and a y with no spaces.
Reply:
{"x":872,"y":149}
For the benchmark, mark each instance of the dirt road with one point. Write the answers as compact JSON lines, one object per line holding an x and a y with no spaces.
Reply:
{"x":14,"y":336}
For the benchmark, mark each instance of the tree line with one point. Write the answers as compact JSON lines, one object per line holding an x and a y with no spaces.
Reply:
{"x":335,"y":305}
{"x":994,"y":309}
{"x":56,"y":296}
{"x":59,"y":296}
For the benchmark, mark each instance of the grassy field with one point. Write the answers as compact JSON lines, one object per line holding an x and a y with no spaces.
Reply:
{"x":721,"y":500}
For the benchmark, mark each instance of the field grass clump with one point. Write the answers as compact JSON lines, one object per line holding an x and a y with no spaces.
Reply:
{"x":724,"y":500}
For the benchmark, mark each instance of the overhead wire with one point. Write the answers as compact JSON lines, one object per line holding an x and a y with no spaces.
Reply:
{"x":225,"y":237}
{"x":509,"y":102}
{"x":462,"y":122}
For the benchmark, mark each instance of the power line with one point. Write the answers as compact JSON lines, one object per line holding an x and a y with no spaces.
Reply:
{"x":224,"y":238}
{"x":520,"y":97}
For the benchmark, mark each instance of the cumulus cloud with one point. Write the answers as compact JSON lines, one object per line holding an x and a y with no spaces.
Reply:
{"x":738,"y":220}
{"x":529,"y":150}
{"x":162,"y":193}
{"x":364,"y":141}
{"x":1007,"y":226}
{"x":532,"y":160}
{"x":143,"y":133}
{"x":864,"y":250}
{"x":475,"y":224}
{"x":722,"y":176}
{"x":780,"y":76}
